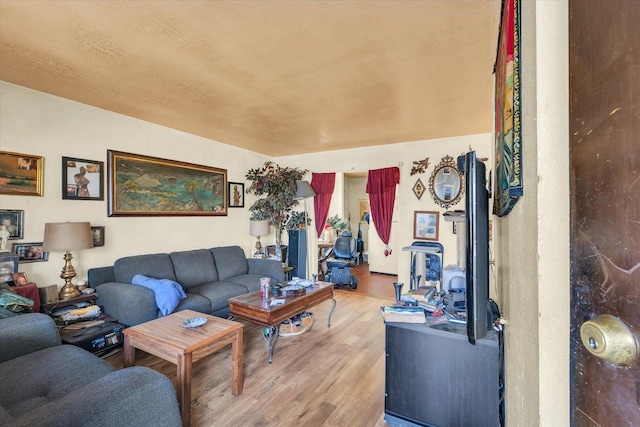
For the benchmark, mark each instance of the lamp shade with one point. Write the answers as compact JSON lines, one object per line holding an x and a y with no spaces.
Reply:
{"x":67,"y":236}
{"x":304,"y":190}
{"x":259,"y":228}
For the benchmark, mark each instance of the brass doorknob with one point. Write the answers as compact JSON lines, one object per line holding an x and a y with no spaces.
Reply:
{"x":609,"y":338}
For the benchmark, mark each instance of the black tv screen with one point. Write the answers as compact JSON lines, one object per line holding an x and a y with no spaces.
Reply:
{"x":477,"y":251}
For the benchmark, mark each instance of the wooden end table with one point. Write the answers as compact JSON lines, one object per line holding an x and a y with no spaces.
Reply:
{"x":165,"y":337}
{"x":253,"y":308}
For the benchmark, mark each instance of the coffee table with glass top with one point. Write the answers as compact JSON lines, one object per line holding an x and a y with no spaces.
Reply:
{"x":253,"y":308}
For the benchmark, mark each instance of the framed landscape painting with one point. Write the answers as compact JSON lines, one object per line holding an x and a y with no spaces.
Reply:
{"x":149,"y":186}
{"x":21,"y":174}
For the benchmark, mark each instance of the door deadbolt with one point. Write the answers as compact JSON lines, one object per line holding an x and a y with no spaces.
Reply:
{"x":609,"y":338}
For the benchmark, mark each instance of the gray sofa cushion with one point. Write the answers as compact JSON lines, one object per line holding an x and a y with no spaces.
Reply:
{"x":230,"y":261}
{"x":194,"y":267}
{"x":51,"y":375}
{"x":250,"y":281}
{"x":219,"y":292}
{"x":158,"y":266}
{"x":196,"y":303}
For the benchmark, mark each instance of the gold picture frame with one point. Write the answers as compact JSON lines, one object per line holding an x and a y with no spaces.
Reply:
{"x":149,"y":186}
{"x":21,"y":174}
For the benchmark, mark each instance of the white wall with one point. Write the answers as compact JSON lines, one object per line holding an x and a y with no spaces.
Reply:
{"x":533,"y":240}
{"x":35,"y":123}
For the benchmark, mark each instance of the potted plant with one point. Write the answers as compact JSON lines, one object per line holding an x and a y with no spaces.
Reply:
{"x":338,"y":224}
{"x":298,"y":221}
{"x":278,"y":186}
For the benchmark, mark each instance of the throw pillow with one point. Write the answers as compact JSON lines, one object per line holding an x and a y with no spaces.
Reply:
{"x":168,"y":293}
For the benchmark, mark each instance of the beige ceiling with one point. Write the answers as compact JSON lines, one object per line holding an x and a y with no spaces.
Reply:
{"x":276,"y":77}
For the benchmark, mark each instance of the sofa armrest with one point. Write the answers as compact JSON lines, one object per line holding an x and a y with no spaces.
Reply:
{"x":130,"y":304}
{"x":136,"y":396}
{"x":26,"y":333}
{"x":266,"y":267}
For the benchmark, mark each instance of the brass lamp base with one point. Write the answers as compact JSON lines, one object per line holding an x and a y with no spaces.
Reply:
{"x":69,"y":290}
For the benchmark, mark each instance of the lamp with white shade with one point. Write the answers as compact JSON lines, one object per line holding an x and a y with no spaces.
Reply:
{"x":257,"y":229}
{"x":66,"y":237}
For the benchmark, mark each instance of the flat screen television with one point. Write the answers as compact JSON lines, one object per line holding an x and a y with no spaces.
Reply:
{"x":477,"y":245}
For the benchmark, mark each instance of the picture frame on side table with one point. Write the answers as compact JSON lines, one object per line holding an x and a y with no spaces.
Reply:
{"x":140,"y":185}
{"x":236,"y":195}
{"x":425,"y":225}
{"x":13,"y":221}
{"x":20,"y":279}
{"x":21,"y":174}
{"x":97,"y":233}
{"x":8,"y":266}
{"x":30,"y":252}
{"x":82,"y":179}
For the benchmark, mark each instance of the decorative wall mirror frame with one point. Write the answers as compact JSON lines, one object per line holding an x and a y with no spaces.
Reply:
{"x":446,"y":184}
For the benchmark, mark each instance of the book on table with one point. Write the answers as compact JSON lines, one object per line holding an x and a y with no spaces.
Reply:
{"x":403,"y":314}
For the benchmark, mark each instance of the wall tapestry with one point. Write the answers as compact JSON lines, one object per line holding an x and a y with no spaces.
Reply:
{"x":508,"y":184}
{"x":144,"y":186}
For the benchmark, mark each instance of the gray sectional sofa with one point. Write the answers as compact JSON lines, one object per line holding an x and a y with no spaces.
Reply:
{"x":209,"y":278}
{"x":45,"y":383}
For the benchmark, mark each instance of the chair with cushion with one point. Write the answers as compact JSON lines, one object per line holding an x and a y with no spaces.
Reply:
{"x":340,"y":261}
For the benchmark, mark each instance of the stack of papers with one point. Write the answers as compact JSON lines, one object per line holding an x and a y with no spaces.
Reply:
{"x":403,"y":314}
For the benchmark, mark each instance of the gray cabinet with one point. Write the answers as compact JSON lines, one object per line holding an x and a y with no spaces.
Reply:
{"x":434,"y":377}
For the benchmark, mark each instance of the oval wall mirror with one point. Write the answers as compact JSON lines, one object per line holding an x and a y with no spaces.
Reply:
{"x":446,"y":183}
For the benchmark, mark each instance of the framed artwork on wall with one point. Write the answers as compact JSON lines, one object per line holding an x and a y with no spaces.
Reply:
{"x":21,"y":174}
{"x":82,"y":179}
{"x":30,"y":252}
{"x":236,"y":195}
{"x":97,"y":234}
{"x":508,"y":144}
{"x":425,"y":225}
{"x":363,"y":209}
{"x":8,"y":266}
{"x":149,"y":186}
{"x":11,"y":221}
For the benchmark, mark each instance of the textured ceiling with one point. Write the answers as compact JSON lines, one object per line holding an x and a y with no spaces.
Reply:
{"x":276,"y":77}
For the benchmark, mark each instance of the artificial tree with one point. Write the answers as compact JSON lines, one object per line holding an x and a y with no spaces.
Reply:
{"x":278,"y":185}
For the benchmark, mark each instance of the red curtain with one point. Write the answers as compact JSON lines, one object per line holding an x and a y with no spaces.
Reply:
{"x":381,"y":187}
{"x":323,"y":184}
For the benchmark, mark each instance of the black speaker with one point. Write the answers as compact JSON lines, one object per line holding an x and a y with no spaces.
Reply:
{"x":298,"y":253}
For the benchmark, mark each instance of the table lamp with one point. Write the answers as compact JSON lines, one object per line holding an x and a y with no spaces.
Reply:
{"x":257,"y":229}
{"x":66,"y":237}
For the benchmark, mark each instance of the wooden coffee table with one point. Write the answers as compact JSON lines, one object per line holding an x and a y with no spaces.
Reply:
{"x":253,"y":308}
{"x":166,"y":338}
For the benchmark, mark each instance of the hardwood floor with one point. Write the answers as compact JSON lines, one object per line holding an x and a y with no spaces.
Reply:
{"x":324,"y":377}
{"x":373,"y":284}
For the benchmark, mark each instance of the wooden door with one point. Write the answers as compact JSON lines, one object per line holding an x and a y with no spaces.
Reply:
{"x":604,"y":69}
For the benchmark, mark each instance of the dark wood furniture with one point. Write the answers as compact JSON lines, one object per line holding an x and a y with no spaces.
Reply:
{"x":167,"y":338}
{"x":254,"y":308}
{"x":434,"y":377}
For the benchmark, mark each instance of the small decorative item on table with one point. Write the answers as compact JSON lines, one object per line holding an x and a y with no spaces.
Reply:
{"x":194,"y":322}
{"x":293,"y":290}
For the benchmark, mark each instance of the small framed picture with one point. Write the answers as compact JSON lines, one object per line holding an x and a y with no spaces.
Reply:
{"x":8,"y":266}
{"x":30,"y":252}
{"x":21,"y":174}
{"x":82,"y":179}
{"x":425,"y":225}
{"x":97,"y":233}
{"x":20,"y":279}
{"x":235,"y":195}
{"x":11,"y":222}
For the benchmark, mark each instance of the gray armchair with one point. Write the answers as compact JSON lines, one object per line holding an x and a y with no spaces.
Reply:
{"x":47,"y":383}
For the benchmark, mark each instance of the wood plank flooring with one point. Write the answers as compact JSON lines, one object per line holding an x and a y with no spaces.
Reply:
{"x":324,"y":377}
